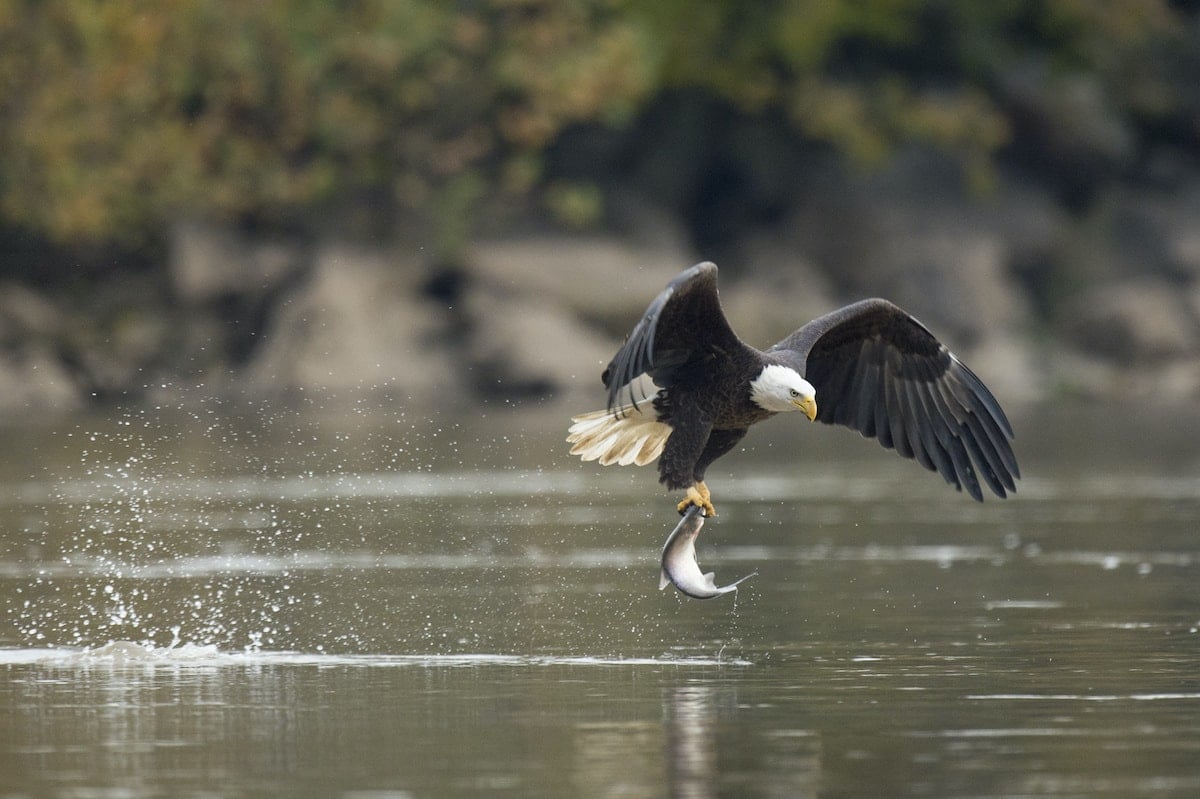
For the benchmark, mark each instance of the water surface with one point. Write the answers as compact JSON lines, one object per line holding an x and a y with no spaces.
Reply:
{"x":249,"y":601}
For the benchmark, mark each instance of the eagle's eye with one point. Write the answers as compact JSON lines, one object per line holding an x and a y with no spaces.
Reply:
{"x":795,"y":393}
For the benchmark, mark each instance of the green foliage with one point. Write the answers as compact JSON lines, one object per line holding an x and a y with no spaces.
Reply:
{"x":575,"y":205}
{"x":866,"y":75}
{"x":117,"y":117}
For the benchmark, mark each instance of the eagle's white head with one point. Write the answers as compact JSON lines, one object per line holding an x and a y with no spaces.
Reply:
{"x":780,"y":389}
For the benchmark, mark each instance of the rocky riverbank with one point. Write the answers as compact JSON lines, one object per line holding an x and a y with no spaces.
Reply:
{"x":1040,"y":301}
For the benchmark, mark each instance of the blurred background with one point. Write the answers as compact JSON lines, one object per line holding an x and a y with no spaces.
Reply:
{"x":472,"y":202}
{"x":296,"y":299}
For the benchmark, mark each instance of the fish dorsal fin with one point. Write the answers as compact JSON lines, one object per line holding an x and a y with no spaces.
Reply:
{"x":711,"y":579}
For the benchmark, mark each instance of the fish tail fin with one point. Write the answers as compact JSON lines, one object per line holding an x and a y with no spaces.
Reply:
{"x":625,"y":435}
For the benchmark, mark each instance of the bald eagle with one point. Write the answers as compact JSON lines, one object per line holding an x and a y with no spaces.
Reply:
{"x":868,"y":366}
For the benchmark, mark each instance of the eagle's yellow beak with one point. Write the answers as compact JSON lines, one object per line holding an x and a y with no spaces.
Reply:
{"x":808,"y":405}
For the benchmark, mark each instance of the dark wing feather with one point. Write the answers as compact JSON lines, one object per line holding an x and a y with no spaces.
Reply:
{"x":682,"y":331}
{"x":879,"y":371}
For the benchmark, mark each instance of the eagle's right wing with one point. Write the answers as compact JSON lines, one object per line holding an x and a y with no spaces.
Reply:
{"x":683,"y":333}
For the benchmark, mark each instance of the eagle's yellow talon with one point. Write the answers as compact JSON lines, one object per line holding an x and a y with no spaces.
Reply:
{"x":698,"y":495}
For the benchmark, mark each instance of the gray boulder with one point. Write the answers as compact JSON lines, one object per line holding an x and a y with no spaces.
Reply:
{"x":209,"y":262}
{"x":543,"y":316}
{"x":33,"y":378}
{"x":1143,"y":321}
{"x":358,"y":324}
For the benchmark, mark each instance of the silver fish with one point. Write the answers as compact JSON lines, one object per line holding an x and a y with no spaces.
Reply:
{"x":679,"y":564}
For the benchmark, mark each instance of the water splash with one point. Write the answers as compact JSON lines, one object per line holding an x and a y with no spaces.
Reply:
{"x":105,"y":556}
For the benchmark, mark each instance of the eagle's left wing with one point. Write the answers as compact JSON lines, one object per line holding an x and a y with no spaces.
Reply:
{"x":879,"y":371}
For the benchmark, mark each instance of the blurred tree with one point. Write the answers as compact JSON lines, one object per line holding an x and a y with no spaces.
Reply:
{"x":866,"y":75}
{"x":118,"y":117}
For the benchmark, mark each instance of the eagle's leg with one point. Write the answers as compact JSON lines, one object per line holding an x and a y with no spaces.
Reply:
{"x":697,"y":494}
{"x":719,"y":442}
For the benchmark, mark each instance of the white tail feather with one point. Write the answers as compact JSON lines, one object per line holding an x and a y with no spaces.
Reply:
{"x":624,"y":436}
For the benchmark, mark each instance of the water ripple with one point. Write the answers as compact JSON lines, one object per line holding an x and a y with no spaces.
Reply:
{"x":944,"y":556}
{"x":118,"y":654}
{"x":761,"y":487}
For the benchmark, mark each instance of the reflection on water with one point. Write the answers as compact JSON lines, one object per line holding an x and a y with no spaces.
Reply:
{"x":690,"y":740}
{"x":293,"y":605}
{"x":168,"y":715}
{"x":166,"y":721}
{"x":618,"y":759}
{"x":699,"y":769}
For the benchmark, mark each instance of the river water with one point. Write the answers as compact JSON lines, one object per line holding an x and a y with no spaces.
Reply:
{"x":360,"y":602}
